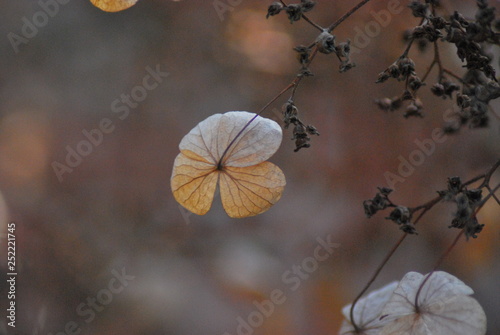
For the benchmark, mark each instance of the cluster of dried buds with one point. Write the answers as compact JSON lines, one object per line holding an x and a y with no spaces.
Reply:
{"x":293,"y":11}
{"x":466,"y":202}
{"x":401,"y":215}
{"x":301,"y":131}
{"x":473,"y":92}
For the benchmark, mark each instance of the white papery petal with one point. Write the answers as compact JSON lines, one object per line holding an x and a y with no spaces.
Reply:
{"x":444,"y":307}
{"x":257,"y":143}
{"x":367,"y":311}
{"x":248,"y":184}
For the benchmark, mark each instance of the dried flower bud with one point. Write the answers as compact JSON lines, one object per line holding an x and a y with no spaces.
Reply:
{"x":422,"y":44}
{"x":384,"y":104}
{"x":312,"y":130}
{"x":418,"y":9}
{"x":385,"y":190}
{"x":294,"y":12}
{"x":301,"y":142}
{"x":345,"y":66}
{"x":381,"y":201}
{"x":305,"y":72}
{"x":415,"y":83}
{"x":450,"y":87}
{"x":437,"y":89}
{"x":382,"y":76}
{"x":414,"y":109}
{"x":370,"y":208}
{"x":406,"y":95}
{"x":409,"y":228}
{"x":454,"y":184}
{"x":393,"y":70}
{"x":400,"y":215}
{"x":299,"y":131}
{"x":325,"y":42}
{"x":396,"y":103}
{"x":289,"y":108}
{"x":472,"y":227}
{"x":463,"y":100}
{"x":307,"y":5}
{"x":274,"y":9}
{"x":343,"y":49}
{"x":290,"y":112}
{"x":474,"y":195}
{"x":438,"y":22}
{"x":302,"y":54}
{"x":460,"y":19}
{"x":406,"y":67}
{"x":463,"y":207}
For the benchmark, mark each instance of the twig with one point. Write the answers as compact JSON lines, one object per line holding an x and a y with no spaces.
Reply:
{"x":346,"y":15}
{"x":438,"y":263}
{"x":372,"y":279}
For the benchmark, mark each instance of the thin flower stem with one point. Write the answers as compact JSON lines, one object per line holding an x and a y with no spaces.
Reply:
{"x":457,"y":77}
{"x":428,"y":205}
{"x":428,"y":70}
{"x":314,"y":24}
{"x":295,"y":82}
{"x":488,"y":175}
{"x":435,"y":61}
{"x":438,"y":263}
{"x":492,"y":192}
{"x":407,"y":50}
{"x":299,"y":78}
{"x":408,"y":47}
{"x":372,"y":279}
{"x":473,"y":180}
{"x":437,"y":57}
{"x":292,"y":84}
{"x":346,"y":15}
{"x":490,"y":195}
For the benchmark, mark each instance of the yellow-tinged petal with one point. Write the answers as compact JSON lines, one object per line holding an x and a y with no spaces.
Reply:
{"x":113,"y":5}
{"x":248,"y":191}
{"x":193,"y":182}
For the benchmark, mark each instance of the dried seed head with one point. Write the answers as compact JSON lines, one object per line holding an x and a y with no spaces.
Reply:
{"x":454,"y":184}
{"x":463,"y":100}
{"x":294,"y":12}
{"x":274,"y":9}
{"x":415,"y":83}
{"x":312,"y":130}
{"x":406,"y":67}
{"x":383,"y":76}
{"x":325,"y":42}
{"x":400,"y":215}
{"x":302,"y":54}
{"x":418,"y":9}
{"x":438,"y":89}
{"x":393,"y":70}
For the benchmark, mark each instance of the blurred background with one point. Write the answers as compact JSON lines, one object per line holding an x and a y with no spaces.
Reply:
{"x":102,"y":246}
